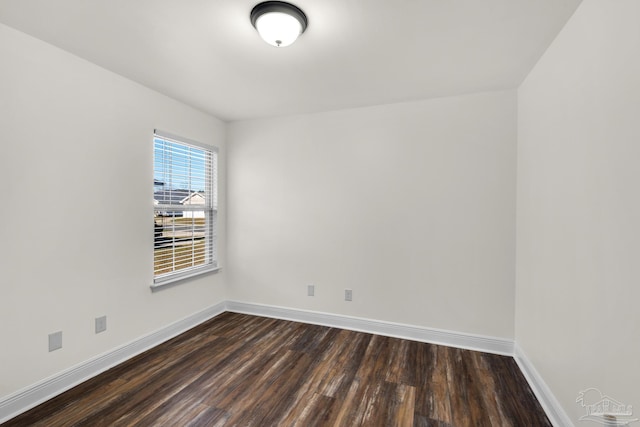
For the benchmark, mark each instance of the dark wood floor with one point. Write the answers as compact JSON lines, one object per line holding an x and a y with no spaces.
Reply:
{"x":240,"y":370}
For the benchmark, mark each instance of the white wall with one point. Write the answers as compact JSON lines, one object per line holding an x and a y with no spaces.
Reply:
{"x":410,"y":205}
{"x":578,"y":215}
{"x":76,"y":223}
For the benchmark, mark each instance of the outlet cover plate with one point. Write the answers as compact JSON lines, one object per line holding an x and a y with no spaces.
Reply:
{"x":55,"y":341}
{"x":311,"y":290}
{"x":348,"y":295}
{"x":101,"y":324}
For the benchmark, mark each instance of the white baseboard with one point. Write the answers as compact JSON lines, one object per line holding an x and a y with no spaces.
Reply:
{"x":398,"y":330}
{"x":548,"y":401}
{"x":42,"y":391}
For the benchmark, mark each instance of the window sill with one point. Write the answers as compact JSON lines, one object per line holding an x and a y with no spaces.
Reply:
{"x":178,"y":279}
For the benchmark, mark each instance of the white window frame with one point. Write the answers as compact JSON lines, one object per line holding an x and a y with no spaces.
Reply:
{"x":166,"y":142}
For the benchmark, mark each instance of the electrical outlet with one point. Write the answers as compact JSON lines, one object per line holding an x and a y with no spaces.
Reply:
{"x":101,"y":324}
{"x":311,"y":289}
{"x":55,"y":341}
{"x":348,"y":295}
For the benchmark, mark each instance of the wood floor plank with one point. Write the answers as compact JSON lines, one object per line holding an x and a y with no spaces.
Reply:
{"x":432,"y":391}
{"x":517,"y":402}
{"x":401,"y":369}
{"x":422,"y":421}
{"x":341,"y":363}
{"x":272,"y":394}
{"x":366,"y":383}
{"x":311,"y":409}
{"x":330,"y":375}
{"x":490,"y":396}
{"x":464,"y":392}
{"x":242,"y":370}
{"x":206,"y":417}
{"x":390,"y":404}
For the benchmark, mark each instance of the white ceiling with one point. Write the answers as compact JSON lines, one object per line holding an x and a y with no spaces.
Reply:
{"x":354,"y":52}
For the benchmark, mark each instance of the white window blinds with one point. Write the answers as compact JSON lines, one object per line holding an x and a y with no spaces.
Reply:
{"x":185,"y":208}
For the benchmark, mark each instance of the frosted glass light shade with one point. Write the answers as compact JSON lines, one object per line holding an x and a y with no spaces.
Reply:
{"x":278,"y":23}
{"x":278,"y":29}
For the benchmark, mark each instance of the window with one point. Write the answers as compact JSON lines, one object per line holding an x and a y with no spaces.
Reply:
{"x":185,"y":208}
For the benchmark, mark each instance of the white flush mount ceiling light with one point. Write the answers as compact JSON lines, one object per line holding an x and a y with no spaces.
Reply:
{"x":278,"y":23}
